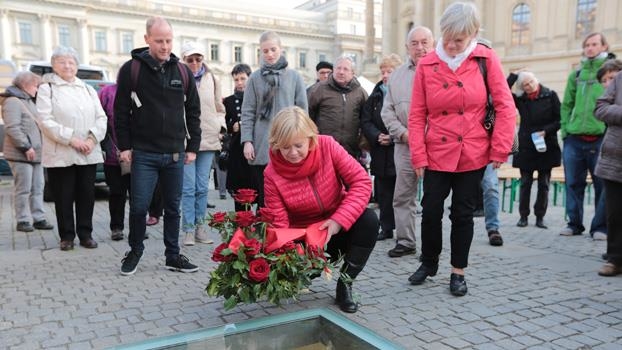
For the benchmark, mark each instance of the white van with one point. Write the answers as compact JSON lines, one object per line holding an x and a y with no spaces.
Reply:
{"x":85,"y":72}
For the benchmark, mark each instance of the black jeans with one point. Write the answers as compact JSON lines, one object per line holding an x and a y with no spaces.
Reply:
{"x":465,"y":189}
{"x":73,"y":185}
{"x":542,"y":197}
{"x":363,"y":233}
{"x":119,"y":187}
{"x":385,"y":187}
{"x":614,"y":221}
{"x":156,"y":207}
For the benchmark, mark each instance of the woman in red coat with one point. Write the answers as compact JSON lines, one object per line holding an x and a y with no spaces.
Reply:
{"x":310,"y":178}
{"x":447,"y":138}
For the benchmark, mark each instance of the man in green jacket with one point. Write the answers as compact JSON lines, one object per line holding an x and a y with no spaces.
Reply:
{"x":583,"y":135}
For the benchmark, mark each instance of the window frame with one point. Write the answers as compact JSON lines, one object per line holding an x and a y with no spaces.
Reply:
{"x":520,"y":25}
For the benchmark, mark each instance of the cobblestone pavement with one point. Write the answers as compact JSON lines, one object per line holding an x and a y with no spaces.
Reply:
{"x":539,"y":291}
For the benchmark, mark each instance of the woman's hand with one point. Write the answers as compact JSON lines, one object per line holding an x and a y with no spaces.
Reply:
{"x":30,"y":154}
{"x":384,"y":139}
{"x":332,"y":226}
{"x":249,"y":151}
{"x":236,"y":127}
{"x":78,"y":144}
{"x":419,"y":172}
{"x":125,"y":156}
{"x":496,"y":165}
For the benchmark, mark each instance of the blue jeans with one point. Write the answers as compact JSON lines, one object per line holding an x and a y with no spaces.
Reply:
{"x":580,"y":157}
{"x":194,"y":194}
{"x":147,"y":169}
{"x":490,"y":186}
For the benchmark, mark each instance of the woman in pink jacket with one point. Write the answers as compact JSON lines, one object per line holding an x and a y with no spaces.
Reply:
{"x":447,"y":138}
{"x":311,"y":178}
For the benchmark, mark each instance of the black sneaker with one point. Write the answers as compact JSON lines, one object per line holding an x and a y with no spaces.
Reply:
{"x":43,"y":225}
{"x":130,"y":262}
{"x":180,"y":263}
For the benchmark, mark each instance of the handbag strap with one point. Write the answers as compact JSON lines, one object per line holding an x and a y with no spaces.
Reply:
{"x":481,"y":63}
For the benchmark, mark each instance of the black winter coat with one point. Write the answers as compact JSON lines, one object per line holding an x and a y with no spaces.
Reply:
{"x":536,"y":115}
{"x":382,"y":163}
{"x":238,"y":170}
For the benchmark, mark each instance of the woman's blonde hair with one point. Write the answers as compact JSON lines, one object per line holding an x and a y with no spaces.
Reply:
{"x":289,"y":123}
{"x":390,"y":61}
{"x":460,"y":18}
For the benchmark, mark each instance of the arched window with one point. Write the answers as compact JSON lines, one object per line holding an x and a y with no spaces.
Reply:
{"x":521,"y":25}
{"x":586,"y":14}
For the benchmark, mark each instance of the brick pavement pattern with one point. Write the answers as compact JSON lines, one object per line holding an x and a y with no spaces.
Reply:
{"x":539,"y":291}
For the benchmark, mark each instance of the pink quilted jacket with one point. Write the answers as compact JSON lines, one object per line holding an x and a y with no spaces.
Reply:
{"x":321,"y":196}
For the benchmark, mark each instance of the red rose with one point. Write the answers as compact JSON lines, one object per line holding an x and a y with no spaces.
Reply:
{"x":266,"y":215}
{"x":245,"y":196}
{"x":253,"y":247}
{"x":286,"y":247}
{"x":244,"y":218}
{"x":218,"y":257}
{"x":259,"y":270}
{"x":218,"y":218}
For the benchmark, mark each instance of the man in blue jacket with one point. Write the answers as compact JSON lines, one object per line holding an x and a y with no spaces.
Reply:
{"x":158,"y":130}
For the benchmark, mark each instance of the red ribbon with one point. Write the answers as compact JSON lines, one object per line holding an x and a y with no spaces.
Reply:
{"x":278,"y":237}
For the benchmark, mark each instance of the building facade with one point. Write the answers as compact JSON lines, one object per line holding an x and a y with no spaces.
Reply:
{"x":543,"y":36}
{"x":105,"y":31}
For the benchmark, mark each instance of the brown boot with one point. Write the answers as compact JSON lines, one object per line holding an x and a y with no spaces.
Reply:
{"x":609,"y":269}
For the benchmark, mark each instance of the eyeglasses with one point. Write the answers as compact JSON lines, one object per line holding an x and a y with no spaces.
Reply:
{"x":194,"y":59}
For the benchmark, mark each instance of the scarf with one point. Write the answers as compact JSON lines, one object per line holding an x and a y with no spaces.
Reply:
{"x":454,"y":62}
{"x":270,"y":74}
{"x":383,"y":88}
{"x":532,"y":96}
{"x":198,"y":75}
{"x":300,"y":170}
{"x":238,"y":94}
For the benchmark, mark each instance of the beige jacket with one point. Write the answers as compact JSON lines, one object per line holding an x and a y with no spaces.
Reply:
{"x":212,"y":112}
{"x":67,"y":110}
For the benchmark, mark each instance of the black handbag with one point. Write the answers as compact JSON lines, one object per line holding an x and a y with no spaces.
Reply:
{"x":489,"y":118}
{"x":223,"y":155}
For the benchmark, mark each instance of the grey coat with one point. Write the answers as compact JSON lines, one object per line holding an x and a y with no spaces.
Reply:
{"x":609,"y":110}
{"x":291,"y":92}
{"x":21,"y":130}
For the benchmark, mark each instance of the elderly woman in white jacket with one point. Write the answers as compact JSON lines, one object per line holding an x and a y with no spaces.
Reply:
{"x":73,"y":123}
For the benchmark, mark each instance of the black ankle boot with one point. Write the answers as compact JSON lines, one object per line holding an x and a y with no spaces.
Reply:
{"x":344,"y":298}
{"x":354,"y":261}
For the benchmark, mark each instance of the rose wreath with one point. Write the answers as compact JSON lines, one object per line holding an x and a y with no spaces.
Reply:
{"x":259,"y":262}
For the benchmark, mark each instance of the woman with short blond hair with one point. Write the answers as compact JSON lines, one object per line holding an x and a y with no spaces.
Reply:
{"x":311,"y":179}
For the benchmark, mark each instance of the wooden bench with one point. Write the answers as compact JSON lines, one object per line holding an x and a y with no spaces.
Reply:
{"x":510,"y":180}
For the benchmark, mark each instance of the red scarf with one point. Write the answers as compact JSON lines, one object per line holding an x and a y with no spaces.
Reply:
{"x":532,"y":96}
{"x":295,"y":171}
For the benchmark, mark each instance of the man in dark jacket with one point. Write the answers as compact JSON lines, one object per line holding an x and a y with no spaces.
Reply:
{"x":335,"y":105}
{"x":158,"y":129}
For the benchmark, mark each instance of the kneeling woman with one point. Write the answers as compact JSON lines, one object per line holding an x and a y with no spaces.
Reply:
{"x":310,"y":178}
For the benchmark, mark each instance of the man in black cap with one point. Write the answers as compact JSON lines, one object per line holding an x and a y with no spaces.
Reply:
{"x":323,"y":70}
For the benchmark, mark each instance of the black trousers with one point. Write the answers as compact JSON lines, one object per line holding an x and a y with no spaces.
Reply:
{"x":362,"y":234}
{"x":257,"y":183}
{"x":436,"y":187}
{"x":73,"y":185}
{"x":542,"y":197}
{"x":119,"y":187}
{"x":385,"y":187}
{"x":614,"y":221}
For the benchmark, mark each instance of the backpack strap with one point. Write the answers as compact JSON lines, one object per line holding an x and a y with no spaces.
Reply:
{"x":184,"y":76}
{"x":134,"y":70}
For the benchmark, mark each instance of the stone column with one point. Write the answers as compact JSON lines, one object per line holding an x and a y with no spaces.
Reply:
{"x":46,"y":36}
{"x":370,"y":36}
{"x":5,"y":29}
{"x":83,"y":41}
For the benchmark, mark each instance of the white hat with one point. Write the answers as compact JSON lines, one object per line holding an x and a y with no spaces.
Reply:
{"x":192,"y":48}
